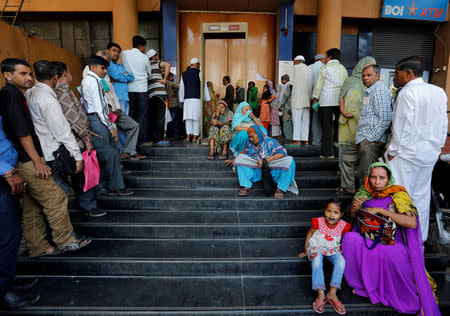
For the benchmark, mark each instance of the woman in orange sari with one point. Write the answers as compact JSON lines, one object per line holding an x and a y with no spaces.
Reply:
{"x":266,"y":99}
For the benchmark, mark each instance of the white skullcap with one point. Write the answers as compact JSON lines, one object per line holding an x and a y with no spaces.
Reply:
{"x":194,"y":61}
{"x":319,"y":56}
{"x":299,"y":57}
{"x":150,"y":53}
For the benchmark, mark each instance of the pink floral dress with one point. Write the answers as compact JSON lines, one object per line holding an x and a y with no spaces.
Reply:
{"x":326,"y":240}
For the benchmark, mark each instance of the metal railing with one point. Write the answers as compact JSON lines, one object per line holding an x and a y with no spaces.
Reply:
{"x":11,"y":14}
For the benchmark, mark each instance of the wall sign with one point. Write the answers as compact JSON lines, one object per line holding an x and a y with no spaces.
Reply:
{"x":427,"y":10}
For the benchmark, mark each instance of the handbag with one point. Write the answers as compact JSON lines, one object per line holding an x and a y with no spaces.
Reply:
{"x":91,"y":170}
{"x":376,"y":228}
{"x":64,"y":161}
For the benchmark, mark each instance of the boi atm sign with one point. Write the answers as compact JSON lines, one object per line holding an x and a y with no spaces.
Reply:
{"x":428,"y":10}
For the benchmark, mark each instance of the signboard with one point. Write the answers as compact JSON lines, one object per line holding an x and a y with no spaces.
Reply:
{"x":426,"y":10}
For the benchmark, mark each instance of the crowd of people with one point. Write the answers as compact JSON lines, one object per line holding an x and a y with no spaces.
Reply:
{"x":47,"y":133}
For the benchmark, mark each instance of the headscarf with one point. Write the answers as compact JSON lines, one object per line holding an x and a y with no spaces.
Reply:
{"x":398,"y":193}
{"x":267,"y":145}
{"x":223,"y":116}
{"x":352,"y":91}
{"x":266,"y":94}
{"x":270,"y":84}
{"x":238,"y":117}
{"x":210,"y":106}
{"x":426,"y":286}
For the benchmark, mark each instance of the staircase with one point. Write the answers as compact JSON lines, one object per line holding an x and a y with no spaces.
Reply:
{"x":186,"y":244}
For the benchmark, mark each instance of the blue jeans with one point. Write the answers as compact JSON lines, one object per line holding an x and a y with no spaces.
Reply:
{"x":318,"y":282}
{"x":125,"y":106}
{"x":172,"y":127}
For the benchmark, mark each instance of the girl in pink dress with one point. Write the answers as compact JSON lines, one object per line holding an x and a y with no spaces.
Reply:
{"x":324,"y":240}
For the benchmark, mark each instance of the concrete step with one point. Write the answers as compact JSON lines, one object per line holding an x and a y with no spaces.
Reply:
{"x":203,"y":164}
{"x":191,"y":180}
{"x":216,"y":295}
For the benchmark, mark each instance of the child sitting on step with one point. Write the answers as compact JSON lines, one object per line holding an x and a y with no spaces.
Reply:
{"x":324,"y":239}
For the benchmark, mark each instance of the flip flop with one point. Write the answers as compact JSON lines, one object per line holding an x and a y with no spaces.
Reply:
{"x":245,"y":191}
{"x":223,"y":157}
{"x":336,"y":305}
{"x":210,"y":157}
{"x":319,"y":304}
{"x":279,"y":194}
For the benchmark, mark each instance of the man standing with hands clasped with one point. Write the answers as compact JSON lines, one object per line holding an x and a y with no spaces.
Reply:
{"x":419,"y":130}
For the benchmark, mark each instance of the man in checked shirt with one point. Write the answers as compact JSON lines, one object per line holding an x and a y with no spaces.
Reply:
{"x":374,"y":121}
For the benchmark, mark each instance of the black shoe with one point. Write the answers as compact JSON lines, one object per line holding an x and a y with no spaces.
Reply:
{"x":13,"y":300}
{"x":122,"y":192}
{"x":23,"y":284}
{"x":95,"y":212}
{"x":125,"y":171}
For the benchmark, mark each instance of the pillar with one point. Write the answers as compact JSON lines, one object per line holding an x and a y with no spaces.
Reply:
{"x":169,"y":16}
{"x":125,"y":22}
{"x":329,"y":20}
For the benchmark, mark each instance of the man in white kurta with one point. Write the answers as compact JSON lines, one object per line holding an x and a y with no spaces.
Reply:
{"x":419,"y":131}
{"x":316,"y":130}
{"x":189,"y":94}
{"x":302,"y":80}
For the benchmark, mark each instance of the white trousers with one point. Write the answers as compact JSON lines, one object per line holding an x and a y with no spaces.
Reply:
{"x":192,"y":127}
{"x":300,"y":122}
{"x":417,"y":182}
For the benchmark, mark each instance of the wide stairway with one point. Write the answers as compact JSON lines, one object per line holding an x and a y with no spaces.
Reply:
{"x":186,"y":244}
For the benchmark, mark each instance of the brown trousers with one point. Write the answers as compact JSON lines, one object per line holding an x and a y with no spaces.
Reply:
{"x":44,"y":202}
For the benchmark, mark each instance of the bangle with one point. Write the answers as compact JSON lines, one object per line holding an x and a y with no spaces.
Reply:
{"x":10,"y":173}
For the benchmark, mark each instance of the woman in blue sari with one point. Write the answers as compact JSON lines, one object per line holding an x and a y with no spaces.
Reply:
{"x":263,"y":150}
{"x":243,"y":118}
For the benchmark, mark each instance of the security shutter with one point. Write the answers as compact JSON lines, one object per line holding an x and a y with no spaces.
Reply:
{"x":393,"y":42}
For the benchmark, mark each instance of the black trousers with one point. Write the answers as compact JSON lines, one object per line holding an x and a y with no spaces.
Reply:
{"x":140,"y":112}
{"x":157,"y":117}
{"x":10,"y":236}
{"x":328,"y":129}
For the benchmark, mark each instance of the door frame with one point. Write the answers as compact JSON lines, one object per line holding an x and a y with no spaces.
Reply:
{"x":221,"y":30}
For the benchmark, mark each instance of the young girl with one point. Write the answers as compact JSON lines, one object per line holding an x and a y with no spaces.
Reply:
{"x":266,"y":99}
{"x":324,"y":239}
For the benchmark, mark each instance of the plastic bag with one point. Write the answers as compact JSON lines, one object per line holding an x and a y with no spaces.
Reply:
{"x":91,"y":170}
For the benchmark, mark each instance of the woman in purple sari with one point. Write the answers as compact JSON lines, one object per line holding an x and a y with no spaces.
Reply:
{"x":392,"y":272}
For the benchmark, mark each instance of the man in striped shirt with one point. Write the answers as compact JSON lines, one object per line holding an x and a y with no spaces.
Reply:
{"x":328,"y":86}
{"x":157,"y":96}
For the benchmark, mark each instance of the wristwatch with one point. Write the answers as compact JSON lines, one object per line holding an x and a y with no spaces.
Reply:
{"x":10,"y":173}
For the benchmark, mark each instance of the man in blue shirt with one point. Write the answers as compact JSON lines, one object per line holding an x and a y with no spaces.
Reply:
{"x":10,"y":229}
{"x":120,"y":76}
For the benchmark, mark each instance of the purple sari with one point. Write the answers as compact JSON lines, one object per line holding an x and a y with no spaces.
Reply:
{"x":393,"y":275}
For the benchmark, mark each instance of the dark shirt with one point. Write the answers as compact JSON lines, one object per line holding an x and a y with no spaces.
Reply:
{"x":229,"y":96}
{"x":240,"y":95}
{"x":16,"y":120}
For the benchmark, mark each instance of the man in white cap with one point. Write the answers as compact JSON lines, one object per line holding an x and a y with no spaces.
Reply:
{"x":316,"y":130}
{"x":189,"y":93}
{"x":135,"y":62}
{"x":157,"y":96}
{"x":302,"y":81}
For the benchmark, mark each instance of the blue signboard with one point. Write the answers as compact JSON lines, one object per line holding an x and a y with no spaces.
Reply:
{"x":428,"y":10}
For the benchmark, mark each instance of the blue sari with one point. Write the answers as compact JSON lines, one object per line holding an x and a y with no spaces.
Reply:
{"x":240,"y":140}
{"x":285,"y":178}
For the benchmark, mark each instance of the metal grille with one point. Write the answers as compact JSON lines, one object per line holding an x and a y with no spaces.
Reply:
{"x":150,"y":28}
{"x":349,"y":50}
{"x":392,"y":43}
{"x":84,"y":35}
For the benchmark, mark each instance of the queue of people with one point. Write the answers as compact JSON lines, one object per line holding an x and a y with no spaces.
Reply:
{"x":46,"y":133}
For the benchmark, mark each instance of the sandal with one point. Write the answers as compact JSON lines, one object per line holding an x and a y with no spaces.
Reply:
{"x":245,"y":191}
{"x":77,"y":245}
{"x":211,"y":157}
{"x":55,"y":251}
{"x":337,"y":306}
{"x":343,"y":190}
{"x":223,"y":157}
{"x":279,"y":194}
{"x":319,"y":306}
